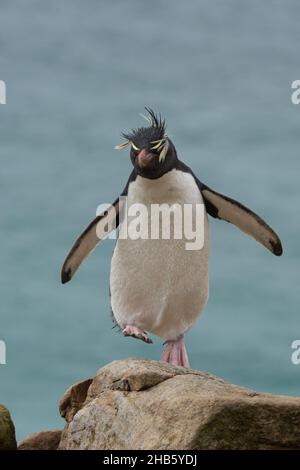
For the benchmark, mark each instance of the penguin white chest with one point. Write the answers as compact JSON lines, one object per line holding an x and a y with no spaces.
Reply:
{"x":159,"y":285}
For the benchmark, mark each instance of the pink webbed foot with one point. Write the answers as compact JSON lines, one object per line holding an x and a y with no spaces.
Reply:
{"x":136,"y":332}
{"x":175,"y":353}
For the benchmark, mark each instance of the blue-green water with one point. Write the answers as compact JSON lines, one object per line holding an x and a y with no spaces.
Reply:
{"x":77,"y":74}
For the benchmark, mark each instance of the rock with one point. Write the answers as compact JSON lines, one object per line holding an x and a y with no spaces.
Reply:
{"x":7,"y":430}
{"x":73,"y":399}
{"x":44,"y":440}
{"x":139,"y":404}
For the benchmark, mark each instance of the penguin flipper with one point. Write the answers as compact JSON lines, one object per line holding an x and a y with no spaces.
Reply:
{"x":223,"y":207}
{"x":96,"y":231}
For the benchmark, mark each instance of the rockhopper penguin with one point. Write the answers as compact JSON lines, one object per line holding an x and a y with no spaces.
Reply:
{"x":157,"y":285}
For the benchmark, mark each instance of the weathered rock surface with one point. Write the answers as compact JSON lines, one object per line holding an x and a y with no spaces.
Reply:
{"x":7,"y":430}
{"x":44,"y":440}
{"x":73,"y":399}
{"x":140,"y":404}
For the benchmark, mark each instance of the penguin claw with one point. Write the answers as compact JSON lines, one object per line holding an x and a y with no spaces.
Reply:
{"x":137,"y":333}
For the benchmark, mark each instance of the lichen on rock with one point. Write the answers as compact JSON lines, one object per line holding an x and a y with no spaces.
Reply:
{"x":7,"y":430}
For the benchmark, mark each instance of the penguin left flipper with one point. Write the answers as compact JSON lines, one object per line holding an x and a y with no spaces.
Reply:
{"x":223,"y":207}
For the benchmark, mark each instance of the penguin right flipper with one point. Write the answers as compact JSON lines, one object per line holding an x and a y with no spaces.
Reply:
{"x":96,"y":231}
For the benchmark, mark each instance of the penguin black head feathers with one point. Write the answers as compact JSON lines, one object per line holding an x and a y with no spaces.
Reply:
{"x":152,"y":153}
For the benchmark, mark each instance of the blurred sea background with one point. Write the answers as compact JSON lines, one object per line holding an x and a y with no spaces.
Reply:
{"x":77,"y":74}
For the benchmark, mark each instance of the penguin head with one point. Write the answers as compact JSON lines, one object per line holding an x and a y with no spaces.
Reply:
{"x":152,"y":153}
